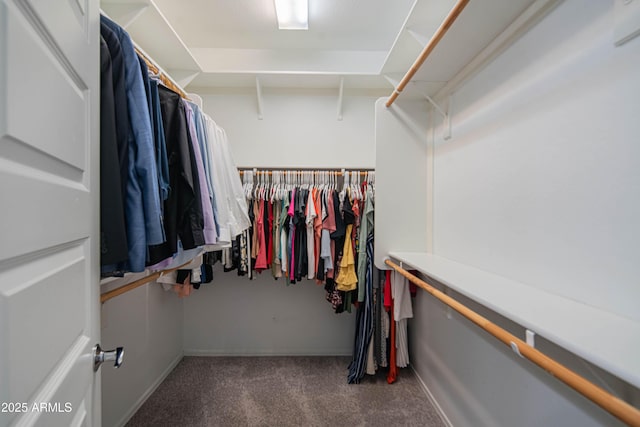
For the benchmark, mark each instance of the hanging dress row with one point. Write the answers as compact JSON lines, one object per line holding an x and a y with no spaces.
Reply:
{"x":305,"y":225}
{"x":169,"y":187}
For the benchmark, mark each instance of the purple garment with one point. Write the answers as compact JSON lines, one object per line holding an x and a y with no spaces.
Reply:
{"x":210,"y":235}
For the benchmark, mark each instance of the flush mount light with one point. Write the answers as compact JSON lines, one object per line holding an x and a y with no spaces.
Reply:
{"x":292,"y":14}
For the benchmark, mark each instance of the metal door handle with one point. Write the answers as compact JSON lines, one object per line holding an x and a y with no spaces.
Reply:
{"x":100,"y":356}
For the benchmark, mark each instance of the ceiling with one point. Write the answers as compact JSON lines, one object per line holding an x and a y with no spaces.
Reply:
{"x":228,"y":43}
{"x":209,"y":45}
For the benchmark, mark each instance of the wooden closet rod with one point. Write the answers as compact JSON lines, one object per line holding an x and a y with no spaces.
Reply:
{"x":137,"y":283}
{"x":164,"y":77}
{"x":363,"y":172}
{"x":440,"y":32}
{"x":607,"y":401}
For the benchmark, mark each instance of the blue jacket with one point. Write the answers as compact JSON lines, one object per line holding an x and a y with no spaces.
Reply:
{"x":142,"y":205}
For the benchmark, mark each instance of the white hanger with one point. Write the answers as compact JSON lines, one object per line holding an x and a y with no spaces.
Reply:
{"x":354,"y":186}
{"x":265,"y":185}
{"x":258,"y":189}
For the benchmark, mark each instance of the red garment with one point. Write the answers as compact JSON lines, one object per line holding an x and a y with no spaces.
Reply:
{"x":413,"y":288}
{"x":270,"y":219}
{"x":388,"y":306}
{"x":387,"y":290}
{"x":393,"y":369}
{"x":261,"y":260}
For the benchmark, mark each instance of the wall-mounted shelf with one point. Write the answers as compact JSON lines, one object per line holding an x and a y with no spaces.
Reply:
{"x":563,"y":321}
{"x":482,"y":29}
{"x":151,"y":30}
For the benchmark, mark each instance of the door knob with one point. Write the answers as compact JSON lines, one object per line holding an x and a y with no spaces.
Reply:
{"x":100,"y":356}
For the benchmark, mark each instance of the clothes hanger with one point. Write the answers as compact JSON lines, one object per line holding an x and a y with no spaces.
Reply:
{"x":256,"y":193}
{"x":353,"y":186}
{"x":249,"y":184}
{"x":265,"y":185}
{"x":272,"y":190}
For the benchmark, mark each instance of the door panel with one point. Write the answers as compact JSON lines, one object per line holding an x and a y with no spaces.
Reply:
{"x":49,"y":272}
{"x":45,"y":286}
{"x":43,"y":84}
{"x":50,"y":207}
{"x":67,"y":25}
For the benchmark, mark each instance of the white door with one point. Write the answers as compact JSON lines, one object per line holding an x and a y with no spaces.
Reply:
{"x":49,"y":272}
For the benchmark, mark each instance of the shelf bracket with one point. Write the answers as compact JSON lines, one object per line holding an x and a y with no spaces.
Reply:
{"x":340,"y":98}
{"x":183,"y":77}
{"x":259,"y":98}
{"x":446,"y":116}
{"x":419,"y":36}
{"x":530,"y":338}
{"x":125,"y":14}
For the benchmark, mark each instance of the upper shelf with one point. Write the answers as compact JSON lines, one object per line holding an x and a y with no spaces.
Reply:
{"x":481,"y":29}
{"x":605,"y":339}
{"x":151,"y":30}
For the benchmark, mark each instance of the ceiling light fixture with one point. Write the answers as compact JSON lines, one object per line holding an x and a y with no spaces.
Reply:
{"x":292,"y":14}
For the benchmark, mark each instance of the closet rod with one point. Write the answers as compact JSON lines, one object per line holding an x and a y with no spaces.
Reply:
{"x":437,"y":36}
{"x":363,"y":172}
{"x":607,"y":401}
{"x":137,"y":283}
{"x":164,"y":77}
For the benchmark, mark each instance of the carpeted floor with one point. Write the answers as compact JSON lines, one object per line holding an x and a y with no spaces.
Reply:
{"x":282,"y":391}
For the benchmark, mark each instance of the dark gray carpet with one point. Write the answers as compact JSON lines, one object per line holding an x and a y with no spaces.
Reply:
{"x":282,"y":391}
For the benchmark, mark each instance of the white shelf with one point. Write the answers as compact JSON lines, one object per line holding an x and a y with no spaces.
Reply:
{"x":481,"y":30}
{"x":603,"y":338}
{"x":151,"y":30}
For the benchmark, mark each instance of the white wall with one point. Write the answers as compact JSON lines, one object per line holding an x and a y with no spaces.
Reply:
{"x":237,"y":316}
{"x":147,"y":322}
{"x":299,"y":129}
{"x":541,"y":179}
{"x":234,"y":315}
{"x":478,"y":381}
{"x":539,"y":183}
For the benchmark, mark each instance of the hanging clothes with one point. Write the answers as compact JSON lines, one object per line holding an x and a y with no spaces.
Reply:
{"x":366,"y":228}
{"x":208,"y":225}
{"x":310,"y":216}
{"x":402,"y":311}
{"x":160,"y":144}
{"x":183,"y":217}
{"x":113,"y":235}
{"x":347,"y":279}
{"x":261,"y":255}
{"x":364,"y":324}
{"x":142,"y":207}
{"x":123,"y":128}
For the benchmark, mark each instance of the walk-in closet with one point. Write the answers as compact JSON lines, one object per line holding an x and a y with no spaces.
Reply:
{"x":326,"y":213}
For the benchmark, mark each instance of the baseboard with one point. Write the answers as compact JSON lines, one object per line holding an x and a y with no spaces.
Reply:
{"x":259,"y":352}
{"x":143,"y":398}
{"x":432,"y":399}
